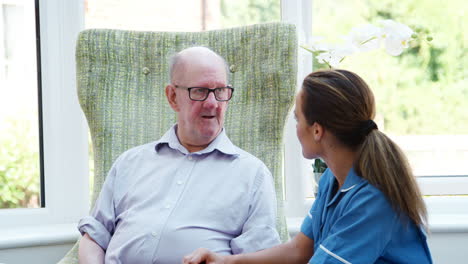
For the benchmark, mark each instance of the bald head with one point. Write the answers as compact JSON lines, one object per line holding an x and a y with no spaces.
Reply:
{"x":195,"y":57}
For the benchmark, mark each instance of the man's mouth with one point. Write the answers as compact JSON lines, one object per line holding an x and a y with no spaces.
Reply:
{"x":208,"y":116}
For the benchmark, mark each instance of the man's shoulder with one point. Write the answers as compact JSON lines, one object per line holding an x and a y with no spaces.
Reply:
{"x":244,"y":154}
{"x":136,"y":151}
{"x":247,"y":157}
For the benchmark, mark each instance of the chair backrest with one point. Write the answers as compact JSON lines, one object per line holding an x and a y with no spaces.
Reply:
{"x":121,"y":77}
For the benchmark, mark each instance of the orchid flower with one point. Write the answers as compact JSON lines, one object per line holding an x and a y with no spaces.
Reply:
{"x":366,"y":37}
{"x":333,"y":56}
{"x":396,"y":36}
{"x":316,"y":45}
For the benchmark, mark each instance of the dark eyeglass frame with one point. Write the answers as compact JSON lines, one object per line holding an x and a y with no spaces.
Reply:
{"x":208,"y":93}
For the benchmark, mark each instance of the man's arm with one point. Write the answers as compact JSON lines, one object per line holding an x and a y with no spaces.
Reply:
{"x":100,"y":223}
{"x":89,"y":251}
{"x":259,"y":229}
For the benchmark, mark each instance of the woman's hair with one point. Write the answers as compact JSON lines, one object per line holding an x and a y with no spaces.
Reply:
{"x":342,"y":102}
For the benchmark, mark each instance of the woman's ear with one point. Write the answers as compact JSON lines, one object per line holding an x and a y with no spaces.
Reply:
{"x":317,"y":131}
{"x":171,"y":96}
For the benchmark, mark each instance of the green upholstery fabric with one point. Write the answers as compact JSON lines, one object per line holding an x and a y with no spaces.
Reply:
{"x":121,"y":77}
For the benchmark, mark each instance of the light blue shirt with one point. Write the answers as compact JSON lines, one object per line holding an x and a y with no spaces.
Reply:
{"x":358,"y":225}
{"x":159,"y":203}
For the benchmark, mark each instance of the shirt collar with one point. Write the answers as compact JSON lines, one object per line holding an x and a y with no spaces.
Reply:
{"x":351,"y":181}
{"x":221,"y":143}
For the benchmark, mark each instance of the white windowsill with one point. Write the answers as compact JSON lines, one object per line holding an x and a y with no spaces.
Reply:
{"x":448,"y":223}
{"x":38,"y":236}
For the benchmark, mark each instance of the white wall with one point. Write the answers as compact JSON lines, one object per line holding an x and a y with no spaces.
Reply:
{"x":448,"y":248}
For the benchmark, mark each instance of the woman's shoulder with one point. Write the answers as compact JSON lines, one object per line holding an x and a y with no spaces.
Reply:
{"x":367,"y":189}
{"x":368,"y":196}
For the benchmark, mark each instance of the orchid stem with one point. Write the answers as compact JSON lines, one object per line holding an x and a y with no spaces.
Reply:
{"x":365,"y":41}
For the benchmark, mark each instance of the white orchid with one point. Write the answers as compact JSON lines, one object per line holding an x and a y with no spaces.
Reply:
{"x":316,"y":45}
{"x":365,"y":37}
{"x":335,"y":54}
{"x":394,"y":35}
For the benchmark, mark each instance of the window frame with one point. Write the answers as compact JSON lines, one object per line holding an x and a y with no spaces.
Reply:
{"x":65,"y":140}
{"x":437,"y":189}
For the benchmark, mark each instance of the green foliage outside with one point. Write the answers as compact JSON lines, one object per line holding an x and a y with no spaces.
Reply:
{"x":19,"y":165}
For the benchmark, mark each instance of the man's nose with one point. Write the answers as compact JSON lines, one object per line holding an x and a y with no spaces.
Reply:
{"x":210,"y":101}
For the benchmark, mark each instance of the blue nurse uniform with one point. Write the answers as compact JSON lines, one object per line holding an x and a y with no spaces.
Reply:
{"x":356,"y":224}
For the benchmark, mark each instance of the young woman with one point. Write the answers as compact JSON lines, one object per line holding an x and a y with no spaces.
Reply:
{"x":368,"y":208}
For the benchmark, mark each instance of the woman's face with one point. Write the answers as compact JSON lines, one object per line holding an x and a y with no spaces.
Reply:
{"x":304,"y":131}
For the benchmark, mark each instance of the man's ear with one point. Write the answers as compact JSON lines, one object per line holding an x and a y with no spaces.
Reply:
{"x":172,"y":97}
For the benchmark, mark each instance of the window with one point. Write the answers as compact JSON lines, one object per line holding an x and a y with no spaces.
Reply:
{"x":160,"y":15}
{"x":419,"y":95}
{"x":19,"y":118}
{"x":64,"y":128}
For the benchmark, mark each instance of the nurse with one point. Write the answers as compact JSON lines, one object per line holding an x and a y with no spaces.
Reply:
{"x":369,"y":208}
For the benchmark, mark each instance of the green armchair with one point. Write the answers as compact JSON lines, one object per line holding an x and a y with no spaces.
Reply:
{"x":121,"y":77}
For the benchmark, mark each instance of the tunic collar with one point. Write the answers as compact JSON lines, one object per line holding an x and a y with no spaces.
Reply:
{"x":352,"y":180}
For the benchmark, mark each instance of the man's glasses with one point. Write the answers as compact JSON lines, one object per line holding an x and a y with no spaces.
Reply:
{"x":201,"y":93}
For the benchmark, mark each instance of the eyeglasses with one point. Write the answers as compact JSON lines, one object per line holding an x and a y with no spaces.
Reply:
{"x":221,"y":94}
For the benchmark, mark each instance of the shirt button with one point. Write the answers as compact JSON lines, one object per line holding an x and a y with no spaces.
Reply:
{"x":190,"y":157}
{"x":179,"y":182}
{"x":154,"y":233}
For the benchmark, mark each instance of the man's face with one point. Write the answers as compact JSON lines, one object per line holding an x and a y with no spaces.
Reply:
{"x":199,"y":122}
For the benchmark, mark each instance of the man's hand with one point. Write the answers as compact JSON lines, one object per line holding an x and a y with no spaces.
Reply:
{"x":203,"y":256}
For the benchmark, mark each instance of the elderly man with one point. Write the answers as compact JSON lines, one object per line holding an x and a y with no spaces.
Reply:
{"x":192,"y":188}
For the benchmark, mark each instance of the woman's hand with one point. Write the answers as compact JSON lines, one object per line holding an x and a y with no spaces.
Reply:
{"x":203,"y":256}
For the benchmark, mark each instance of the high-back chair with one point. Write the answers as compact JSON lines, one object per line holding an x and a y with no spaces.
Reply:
{"x":121,"y":76}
